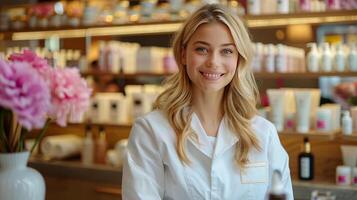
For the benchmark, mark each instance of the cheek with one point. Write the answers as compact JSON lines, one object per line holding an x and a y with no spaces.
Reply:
{"x":232,"y":65}
{"x":194,"y":61}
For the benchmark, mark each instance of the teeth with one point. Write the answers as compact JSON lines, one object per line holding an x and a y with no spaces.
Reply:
{"x":211,"y":76}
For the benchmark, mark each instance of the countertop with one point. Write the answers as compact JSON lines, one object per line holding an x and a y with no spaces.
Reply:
{"x":102,"y":173}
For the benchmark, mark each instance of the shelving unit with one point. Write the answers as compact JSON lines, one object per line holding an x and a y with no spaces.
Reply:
{"x":312,"y":134}
{"x":303,"y":75}
{"x":352,"y":137}
{"x":169,"y":27}
{"x":258,"y":75}
{"x":125,"y":76}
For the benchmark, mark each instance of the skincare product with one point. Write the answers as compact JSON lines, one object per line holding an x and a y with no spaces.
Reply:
{"x":343,"y":175}
{"x":352,"y":58}
{"x":306,"y":162}
{"x":303,"y":103}
{"x":282,"y":6}
{"x":313,"y":58}
{"x":88,"y":147}
{"x":270,"y":58}
{"x":323,"y":120}
{"x":346,"y":123}
{"x":354,"y":176}
{"x":254,"y":7}
{"x":100,"y":147}
{"x":326,"y":64}
{"x":277,"y":102}
{"x":281,"y":58}
{"x":339,"y":60}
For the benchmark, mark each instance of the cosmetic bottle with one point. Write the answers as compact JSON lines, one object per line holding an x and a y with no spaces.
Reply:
{"x":88,"y":147}
{"x":352,"y":58}
{"x":346,"y":123}
{"x":281,"y":58}
{"x":100,"y":147}
{"x":306,"y":162}
{"x":326,"y":64}
{"x":339,"y":60}
{"x":254,"y":7}
{"x":277,"y":189}
{"x":270,"y":58}
{"x":282,"y":6}
{"x":313,"y":58}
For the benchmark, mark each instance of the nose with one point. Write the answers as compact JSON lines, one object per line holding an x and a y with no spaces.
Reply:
{"x":213,"y":60}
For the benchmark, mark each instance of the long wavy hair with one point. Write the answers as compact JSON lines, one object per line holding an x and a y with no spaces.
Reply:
{"x":240,"y":95}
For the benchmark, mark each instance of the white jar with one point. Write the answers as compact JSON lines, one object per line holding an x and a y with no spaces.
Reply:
{"x":354,"y":176}
{"x":343,"y":175}
{"x":323,"y":120}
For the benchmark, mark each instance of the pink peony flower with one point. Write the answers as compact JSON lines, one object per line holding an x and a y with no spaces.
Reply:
{"x":70,"y":95}
{"x":38,"y":63}
{"x":25,"y":93}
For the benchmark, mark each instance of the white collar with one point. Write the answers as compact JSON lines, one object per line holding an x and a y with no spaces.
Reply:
{"x":225,"y":137}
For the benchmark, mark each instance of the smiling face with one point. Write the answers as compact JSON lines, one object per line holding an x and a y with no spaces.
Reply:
{"x":210,"y":57}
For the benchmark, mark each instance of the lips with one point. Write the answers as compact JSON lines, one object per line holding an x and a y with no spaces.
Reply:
{"x":211,"y":76}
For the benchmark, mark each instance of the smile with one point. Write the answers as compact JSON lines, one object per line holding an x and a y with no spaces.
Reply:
{"x":211,"y":76}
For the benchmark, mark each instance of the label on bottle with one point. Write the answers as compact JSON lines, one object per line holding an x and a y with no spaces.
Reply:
{"x":305,"y":167}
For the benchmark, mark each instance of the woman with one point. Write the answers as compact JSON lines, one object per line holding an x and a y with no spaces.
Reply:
{"x":204,"y":140}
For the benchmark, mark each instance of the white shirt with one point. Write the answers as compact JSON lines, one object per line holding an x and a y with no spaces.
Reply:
{"x":152,"y":169}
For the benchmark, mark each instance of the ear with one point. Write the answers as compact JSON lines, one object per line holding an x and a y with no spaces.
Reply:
{"x":183,"y":55}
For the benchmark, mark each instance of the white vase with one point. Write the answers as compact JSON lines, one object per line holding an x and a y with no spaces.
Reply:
{"x":17,"y":181}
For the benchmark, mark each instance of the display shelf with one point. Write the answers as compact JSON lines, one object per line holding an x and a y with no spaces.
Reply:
{"x":299,"y":75}
{"x":312,"y":134}
{"x":73,"y":168}
{"x":315,"y":18}
{"x":126,"y":75}
{"x":95,"y":124}
{"x":352,"y":137}
{"x":258,"y":75}
{"x":258,"y":21}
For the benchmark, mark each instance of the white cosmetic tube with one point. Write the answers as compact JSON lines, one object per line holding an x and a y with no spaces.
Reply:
{"x":303,"y":104}
{"x":276,"y":100}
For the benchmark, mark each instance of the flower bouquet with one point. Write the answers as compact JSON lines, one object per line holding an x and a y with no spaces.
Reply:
{"x":33,"y":94}
{"x":345,"y":94}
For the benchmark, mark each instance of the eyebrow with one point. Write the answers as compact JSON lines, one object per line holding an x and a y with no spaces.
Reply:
{"x":205,"y":43}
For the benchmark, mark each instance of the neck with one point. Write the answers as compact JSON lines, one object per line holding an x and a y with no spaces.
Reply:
{"x":208,"y":106}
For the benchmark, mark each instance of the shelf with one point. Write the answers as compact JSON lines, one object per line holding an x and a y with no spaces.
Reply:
{"x":258,"y":21}
{"x":125,"y":76}
{"x":259,"y":75}
{"x":76,"y":170}
{"x":274,"y":20}
{"x":352,"y":137}
{"x":299,"y":75}
{"x":311,"y":134}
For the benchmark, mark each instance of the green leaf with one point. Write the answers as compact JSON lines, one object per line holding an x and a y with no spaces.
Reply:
{"x":41,"y":134}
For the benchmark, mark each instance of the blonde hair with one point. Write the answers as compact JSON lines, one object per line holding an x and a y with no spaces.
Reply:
{"x":240,"y":95}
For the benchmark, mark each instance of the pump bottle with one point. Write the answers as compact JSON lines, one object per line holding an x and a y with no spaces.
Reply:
{"x":313,"y":58}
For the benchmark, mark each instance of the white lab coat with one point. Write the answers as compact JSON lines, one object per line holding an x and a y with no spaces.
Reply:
{"x":153,"y":171}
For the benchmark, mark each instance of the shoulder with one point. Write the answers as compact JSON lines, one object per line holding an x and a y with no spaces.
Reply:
{"x":264,"y":129}
{"x":153,"y":124}
{"x":261,"y":124}
{"x":153,"y":119}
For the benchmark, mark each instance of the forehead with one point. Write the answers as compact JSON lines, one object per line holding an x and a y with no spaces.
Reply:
{"x":212,"y":33}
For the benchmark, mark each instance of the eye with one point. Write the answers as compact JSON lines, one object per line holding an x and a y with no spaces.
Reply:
{"x":227,"y":51}
{"x":201,"y":50}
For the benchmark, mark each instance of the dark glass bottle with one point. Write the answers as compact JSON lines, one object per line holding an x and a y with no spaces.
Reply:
{"x":306,"y":162}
